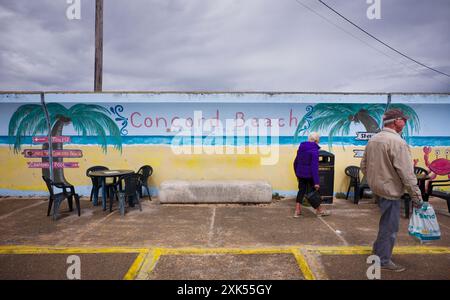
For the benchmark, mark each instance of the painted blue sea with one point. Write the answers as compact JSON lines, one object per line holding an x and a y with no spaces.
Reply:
{"x":415,"y":141}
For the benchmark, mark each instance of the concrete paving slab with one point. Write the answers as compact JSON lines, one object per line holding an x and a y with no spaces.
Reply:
{"x":419,"y":267}
{"x":439,"y":205}
{"x":358,"y":225}
{"x":227,"y":267}
{"x":54,"y":266}
{"x":255,"y":226}
{"x":32,"y":226}
{"x":9,"y":205}
{"x":156,"y":225}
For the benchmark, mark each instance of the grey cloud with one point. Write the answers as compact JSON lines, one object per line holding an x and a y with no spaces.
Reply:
{"x":227,"y":45}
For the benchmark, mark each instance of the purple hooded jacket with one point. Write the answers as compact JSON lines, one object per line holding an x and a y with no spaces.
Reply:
{"x":306,"y":163}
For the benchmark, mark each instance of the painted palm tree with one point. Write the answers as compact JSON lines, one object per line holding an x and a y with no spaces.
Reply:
{"x":337,"y":118}
{"x":86,"y":119}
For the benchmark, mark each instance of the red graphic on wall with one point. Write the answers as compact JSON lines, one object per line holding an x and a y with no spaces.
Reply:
{"x":439,"y":166}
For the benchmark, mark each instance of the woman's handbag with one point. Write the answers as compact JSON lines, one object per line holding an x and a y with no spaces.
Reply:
{"x":314,"y":198}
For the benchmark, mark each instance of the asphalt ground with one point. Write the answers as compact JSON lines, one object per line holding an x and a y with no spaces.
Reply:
{"x":208,"y":242}
{"x":55,"y":266}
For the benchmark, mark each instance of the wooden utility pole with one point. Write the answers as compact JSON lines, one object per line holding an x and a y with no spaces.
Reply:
{"x":98,"y":73}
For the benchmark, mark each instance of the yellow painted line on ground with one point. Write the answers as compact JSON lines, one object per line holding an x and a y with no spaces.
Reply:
{"x":66,"y":250}
{"x":136,"y":266}
{"x":421,"y":250}
{"x":302,"y":264}
{"x":203,"y":251}
{"x":315,"y":265}
{"x":155,"y":257}
{"x":300,"y":259}
{"x":149,"y":263}
{"x":341,"y":250}
{"x":362,"y":250}
{"x":325,"y":250}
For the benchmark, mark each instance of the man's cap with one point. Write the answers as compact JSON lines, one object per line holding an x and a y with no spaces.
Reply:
{"x":393,"y":114}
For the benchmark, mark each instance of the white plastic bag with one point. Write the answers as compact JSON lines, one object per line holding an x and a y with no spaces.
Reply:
{"x":423,"y":224}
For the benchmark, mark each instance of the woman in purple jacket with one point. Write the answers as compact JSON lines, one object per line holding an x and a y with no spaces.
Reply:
{"x":306,"y":166}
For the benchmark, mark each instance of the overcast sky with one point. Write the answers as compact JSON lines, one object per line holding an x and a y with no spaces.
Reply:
{"x":225,"y":45}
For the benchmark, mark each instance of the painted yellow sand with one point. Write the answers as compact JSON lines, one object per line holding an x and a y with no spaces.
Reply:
{"x":167,"y":165}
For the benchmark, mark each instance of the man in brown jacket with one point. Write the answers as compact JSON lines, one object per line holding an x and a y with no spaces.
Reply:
{"x":388,"y":167}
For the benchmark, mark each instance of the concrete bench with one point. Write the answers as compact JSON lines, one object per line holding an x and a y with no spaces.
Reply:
{"x":215,"y":191}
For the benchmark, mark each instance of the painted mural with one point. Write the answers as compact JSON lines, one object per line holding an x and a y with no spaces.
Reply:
{"x":337,"y":119}
{"x":238,"y":132}
{"x":436,"y":166}
{"x":86,"y":119}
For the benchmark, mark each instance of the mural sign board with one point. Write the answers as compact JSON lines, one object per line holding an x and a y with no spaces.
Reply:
{"x":56,"y":165}
{"x":57,"y":154}
{"x":364,"y":136}
{"x":37,"y":153}
{"x":55,"y":139}
{"x":358,"y":153}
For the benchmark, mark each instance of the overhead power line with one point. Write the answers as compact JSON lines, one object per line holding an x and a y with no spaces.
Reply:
{"x":380,"y":41}
{"x":354,"y":36}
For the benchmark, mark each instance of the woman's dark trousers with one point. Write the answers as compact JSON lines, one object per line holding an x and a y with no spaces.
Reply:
{"x":305,"y":185}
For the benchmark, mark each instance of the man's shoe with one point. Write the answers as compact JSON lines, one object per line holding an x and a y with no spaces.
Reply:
{"x":323,"y":213}
{"x":393,"y":267}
